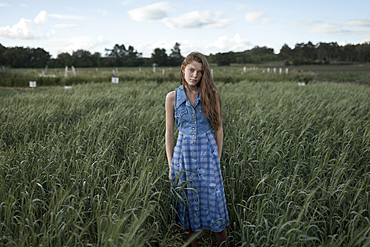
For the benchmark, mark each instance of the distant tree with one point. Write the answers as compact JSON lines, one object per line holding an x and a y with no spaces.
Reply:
{"x":64,"y":59}
{"x":286,"y":53}
{"x":224,"y":59}
{"x":3,"y":62}
{"x":17,"y":57}
{"x":117,"y":56}
{"x":349,"y":53}
{"x":328,"y":51}
{"x":38,"y":57}
{"x":309,"y":51}
{"x":261,"y":50}
{"x":82,"y":58}
{"x":133,"y":58}
{"x":159,"y":56}
{"x":96,"y":59}
{"x":175,"y":58}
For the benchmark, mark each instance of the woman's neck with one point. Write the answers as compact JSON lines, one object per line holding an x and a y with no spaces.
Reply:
{"x":193,"y":90}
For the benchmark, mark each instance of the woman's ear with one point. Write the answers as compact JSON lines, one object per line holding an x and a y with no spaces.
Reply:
{"x":183,"y":68}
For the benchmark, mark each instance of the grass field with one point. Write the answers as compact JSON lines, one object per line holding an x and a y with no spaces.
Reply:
{"x":87,"y":167}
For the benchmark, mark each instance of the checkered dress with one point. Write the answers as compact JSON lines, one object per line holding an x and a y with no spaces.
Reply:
{"x":195,"y":170}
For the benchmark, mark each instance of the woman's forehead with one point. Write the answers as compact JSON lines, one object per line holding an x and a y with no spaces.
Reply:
{"x":195,"y":65}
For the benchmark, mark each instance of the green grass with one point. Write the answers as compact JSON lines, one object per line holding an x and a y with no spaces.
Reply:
{"x":56,"y":77}
{"x":87,"y":167}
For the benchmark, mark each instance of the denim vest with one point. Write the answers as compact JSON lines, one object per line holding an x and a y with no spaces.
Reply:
{"x":190,"y":119}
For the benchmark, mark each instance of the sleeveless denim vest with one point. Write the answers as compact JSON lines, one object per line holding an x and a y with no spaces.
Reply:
{"x":190,"y":119}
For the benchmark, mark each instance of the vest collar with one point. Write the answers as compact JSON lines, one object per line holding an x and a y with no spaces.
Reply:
{"x":181,"y":98}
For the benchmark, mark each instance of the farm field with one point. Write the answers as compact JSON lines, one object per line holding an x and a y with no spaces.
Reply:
{"x":276,"y":72}
{"x":87,"y":167}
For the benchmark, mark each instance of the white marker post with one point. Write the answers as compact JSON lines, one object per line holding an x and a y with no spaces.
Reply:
{"x":66,"y":71}
{"x":114,"y":72}
{"x":245,"y":69}
{"x":73,"y":70}
{"x":268,"y":70}
{"x":280,"y":70}
{"x":115,"y":80}
{"x":274,"y":70}
{"x":163,"y":73}
{"x":32,"y":84}
{"x":43,"y":73}
{"x":212,"y":73}
{"x":286,"y":71}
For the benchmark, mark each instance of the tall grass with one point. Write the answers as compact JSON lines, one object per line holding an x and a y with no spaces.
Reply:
{"x":56,"y":77}
{"x":87,"y":166}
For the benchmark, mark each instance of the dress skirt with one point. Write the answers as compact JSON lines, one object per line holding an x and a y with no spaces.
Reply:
{"x":197,"y":185}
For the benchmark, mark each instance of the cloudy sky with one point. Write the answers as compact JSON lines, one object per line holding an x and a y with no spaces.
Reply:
{"x":205,"y":26}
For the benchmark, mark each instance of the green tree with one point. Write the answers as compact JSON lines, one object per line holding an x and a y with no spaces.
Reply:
{"x":65,"y":59}
{"x":175,"y":58}
{"x":38,"y":57}
{"x":133,"y":58}
{"x":117,"y":56}
{"x":82,"y":58}
{"x":159,"y":56}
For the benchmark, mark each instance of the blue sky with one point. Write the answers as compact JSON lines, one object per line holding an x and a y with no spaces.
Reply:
{"x":205,"y":26}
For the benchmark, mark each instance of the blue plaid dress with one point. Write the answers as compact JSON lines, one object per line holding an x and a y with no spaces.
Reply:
{"x":196,"y":177}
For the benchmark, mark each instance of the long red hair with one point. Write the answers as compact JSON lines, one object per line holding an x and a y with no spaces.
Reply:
{"x":207,"y":89}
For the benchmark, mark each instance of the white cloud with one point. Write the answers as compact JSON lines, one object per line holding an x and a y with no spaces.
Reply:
{"x":153,"y":12}
{"x":257,"y":18}
{"x":327,"y":27}
{"x":195,"y":19}
{"x":25,"y":29}
{"x":66,"y":17}
{"x":65,"y":26}
{"x":41,"y":17}
{"x":360,"y":23}
{"x":244,"y":6}
{"x":307,"y":23}
{"x":77,"y":43}
{"x":342,"y":43}
{"x":224,"y":44}
{"x":366,"y":40}
{"x":23,"y":5}
{"x":21,"y":30}
{"x":4,"y":5}
{"x":102,"y":12}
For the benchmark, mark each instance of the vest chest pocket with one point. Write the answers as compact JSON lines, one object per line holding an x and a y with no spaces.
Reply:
{"x":180,"y":112}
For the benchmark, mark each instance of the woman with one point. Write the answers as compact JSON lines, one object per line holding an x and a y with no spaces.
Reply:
{"x":194,"y":163}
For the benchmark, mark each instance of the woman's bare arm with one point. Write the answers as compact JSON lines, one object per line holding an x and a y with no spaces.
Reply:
{"x":170,"y":119}
{"x":219,"y":133}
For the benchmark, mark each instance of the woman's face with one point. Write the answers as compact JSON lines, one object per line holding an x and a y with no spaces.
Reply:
{"x":193,"y":73}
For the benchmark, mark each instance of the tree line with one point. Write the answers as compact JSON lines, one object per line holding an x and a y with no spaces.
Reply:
{"x":120,"y":56}
{"x":301,"y":54}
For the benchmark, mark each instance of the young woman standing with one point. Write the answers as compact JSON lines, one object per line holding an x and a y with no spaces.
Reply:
{"x":194,"y":162}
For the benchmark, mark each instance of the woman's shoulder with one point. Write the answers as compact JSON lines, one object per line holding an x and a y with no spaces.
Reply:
{"x":171,"y":95}
{"x":170,"y":99}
